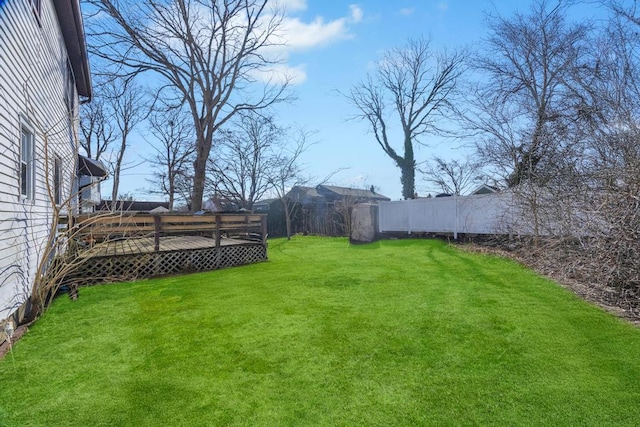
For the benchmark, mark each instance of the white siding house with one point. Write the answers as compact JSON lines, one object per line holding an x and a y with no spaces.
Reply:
{"x":44,"y":73}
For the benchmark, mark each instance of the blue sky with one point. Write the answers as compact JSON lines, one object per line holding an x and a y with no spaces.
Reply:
{"x":332,"y":46}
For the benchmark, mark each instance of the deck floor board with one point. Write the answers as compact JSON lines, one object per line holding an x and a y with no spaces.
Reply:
{"x":143,"y":245}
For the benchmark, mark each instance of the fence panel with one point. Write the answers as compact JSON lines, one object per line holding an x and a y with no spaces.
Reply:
{"x":478,"y":214}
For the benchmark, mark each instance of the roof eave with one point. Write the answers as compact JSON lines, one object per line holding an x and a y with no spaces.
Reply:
{"x":70,"y":19}
{"x":91,"y":167}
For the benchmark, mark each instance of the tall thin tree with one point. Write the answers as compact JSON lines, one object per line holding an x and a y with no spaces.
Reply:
{"x":97,"y":132}
{"x":245,"y":158}
{"x":288,"y":173}
{"x":173,"y":149}
{"x":129,"y":110}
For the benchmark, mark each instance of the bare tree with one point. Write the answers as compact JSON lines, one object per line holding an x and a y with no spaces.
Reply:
{"x":247,"y":153}
{"x":184,"y":188}
{"x":107,"y":123}
{"x":624,"y":9}
{"x":522,"y":110}
{"x":453,"y":176}
{"x":609,"y":99}
{"x":519,"y":109}
{"x":97,"y":129}
{"x":129,"y":110}
{"x":173,"y":148}
{"x":344,"y":210}
{"x":417,"y":85}
{"x":566,"y":132}
{"x":288,"y":173}
{"x":210,"y":56}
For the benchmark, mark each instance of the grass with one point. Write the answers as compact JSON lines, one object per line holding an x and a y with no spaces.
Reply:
{"x":407,"y":332}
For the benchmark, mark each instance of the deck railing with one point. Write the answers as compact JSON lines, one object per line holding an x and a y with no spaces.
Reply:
{"x":96,"y":228}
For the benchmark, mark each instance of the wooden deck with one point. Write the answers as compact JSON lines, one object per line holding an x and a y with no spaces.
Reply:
{"x":143,"y":245}
{"x":111,"y":248}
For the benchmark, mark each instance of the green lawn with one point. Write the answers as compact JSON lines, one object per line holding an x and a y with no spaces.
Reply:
{"x":407,"y":332}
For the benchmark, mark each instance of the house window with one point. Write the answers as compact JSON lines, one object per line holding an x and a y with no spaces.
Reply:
{"x":27,"y":164}
{"x":57,"y":180}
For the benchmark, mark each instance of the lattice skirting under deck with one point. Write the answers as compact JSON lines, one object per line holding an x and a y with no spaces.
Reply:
{"x":137,"y":266}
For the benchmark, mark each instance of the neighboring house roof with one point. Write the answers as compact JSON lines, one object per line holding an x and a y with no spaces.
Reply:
{"x":264,"y":205}
{"x":70,"y":18}
{"x":354,"y":193}
{"x":303,"y":194}
{"x":265,"y":202}
{"x":220,"y":204}
{"x":485,"y":189}
{"x":329,"y":193}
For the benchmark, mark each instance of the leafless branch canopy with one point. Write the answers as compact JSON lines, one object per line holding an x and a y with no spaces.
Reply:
{"x":453,"y":176}
{"x":415,"y":86}
{"x":245,"y":157}
{"x":174,"y":132}
{"x":212,"y":56}
{"x":521,"y":110}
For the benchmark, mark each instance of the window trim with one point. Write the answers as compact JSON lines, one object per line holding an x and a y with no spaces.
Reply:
{"x":27,"y":164}
{"x":57,"y":180}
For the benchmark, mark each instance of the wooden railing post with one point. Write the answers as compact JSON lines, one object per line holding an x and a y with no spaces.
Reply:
{"x":218,"y":250}
{"x":218,"y":222}
{"x":157,"y":225}
{"x":263,"y":227}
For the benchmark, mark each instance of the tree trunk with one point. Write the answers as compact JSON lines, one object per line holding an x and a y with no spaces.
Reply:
{"x":199,"y":175}
{"x":172,"y":191}
{"x":114,"y":190}
{"x":287,"y":217}
{"x":408,"y":182}
{"x":198,"y":188}
{"x":407,"y":166}
{"x":407,"y":176}
{"x":116,"y":172}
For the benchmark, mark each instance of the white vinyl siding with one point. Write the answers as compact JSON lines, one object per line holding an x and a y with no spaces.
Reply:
{"x":34,"y":91}
{"x":36,"y":6}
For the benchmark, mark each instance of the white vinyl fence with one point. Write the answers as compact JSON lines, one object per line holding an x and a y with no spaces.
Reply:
{"x":478,"y":214}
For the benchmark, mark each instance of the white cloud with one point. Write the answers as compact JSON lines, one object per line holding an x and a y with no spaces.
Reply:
{"x":356,"y":13}
{"x":282,"y":73}
{"x":406,"y":11}
{"x":298,"y":35}
{"x":295,"y":34}
{"x":293,"y":5}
